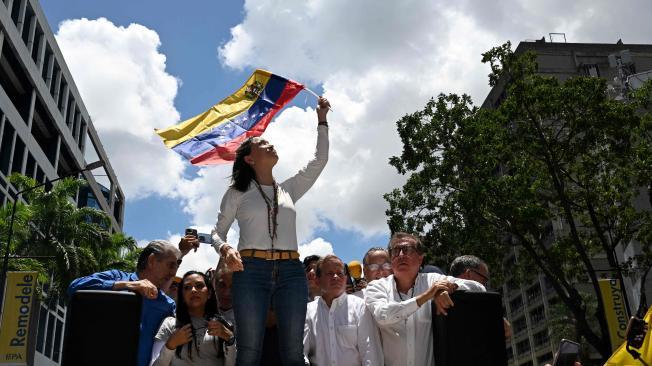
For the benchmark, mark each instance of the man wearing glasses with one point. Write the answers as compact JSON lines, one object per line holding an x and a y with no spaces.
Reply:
{"x":157,"y":265}
{"x":376,"y":265}
{"x":470,"y":267}
{"x":400,"y":303}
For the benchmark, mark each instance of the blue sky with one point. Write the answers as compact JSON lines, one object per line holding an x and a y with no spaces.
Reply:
{"x":146,"y":64}
{"x":190,"y":35}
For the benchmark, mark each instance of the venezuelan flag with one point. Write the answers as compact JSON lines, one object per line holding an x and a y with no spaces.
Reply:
{"x":213,"y":136}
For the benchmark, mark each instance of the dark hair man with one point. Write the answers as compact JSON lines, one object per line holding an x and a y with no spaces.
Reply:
{"x":470,"y":267}
{"x":157,"y":265}
{"x":396,"y":303}
{"x":339,"y":329}
{"x":309,"y":265}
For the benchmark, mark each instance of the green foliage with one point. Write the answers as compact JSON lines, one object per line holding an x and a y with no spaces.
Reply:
{"x":558,"y":170}
{"x":51,"y":224}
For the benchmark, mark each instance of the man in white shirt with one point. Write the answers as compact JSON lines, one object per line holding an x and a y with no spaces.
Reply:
{"x":400,"y":303}
{"x":376,"y":265}
{"x":339,"y":330}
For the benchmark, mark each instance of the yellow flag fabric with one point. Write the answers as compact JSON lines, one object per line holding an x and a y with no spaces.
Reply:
{"x":221,"y":112}
{"x":622,"y":358}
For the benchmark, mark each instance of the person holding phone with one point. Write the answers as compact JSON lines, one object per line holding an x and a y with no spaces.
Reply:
{"x":267,"y":270}
{"x":194,"y":337}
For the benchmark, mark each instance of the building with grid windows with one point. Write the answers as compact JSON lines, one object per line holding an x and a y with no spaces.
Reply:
{"x":45,"y":133}
{"x":528,"y":306}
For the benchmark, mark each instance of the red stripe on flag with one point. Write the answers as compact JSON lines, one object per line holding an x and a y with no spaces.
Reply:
{"x":226,"y":153}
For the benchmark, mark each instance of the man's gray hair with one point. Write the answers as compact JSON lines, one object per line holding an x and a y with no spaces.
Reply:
{"x":327,"y":258}
{"x":399,"y":237}
{"x":464,"y":262}
{"x":156,"y":247}
{"x":365,"y":260}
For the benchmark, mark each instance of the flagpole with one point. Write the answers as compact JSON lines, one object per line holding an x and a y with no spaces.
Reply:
{"x":311,"y":92}
{"x":316,"y":96}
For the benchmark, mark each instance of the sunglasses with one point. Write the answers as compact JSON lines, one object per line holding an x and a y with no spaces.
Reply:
{"x":406,"y":249}
{"x":485,"y":278}
{"x":375,"y":267}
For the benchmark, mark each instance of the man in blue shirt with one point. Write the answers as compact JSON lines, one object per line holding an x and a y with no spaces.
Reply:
{"x":157,"y":265}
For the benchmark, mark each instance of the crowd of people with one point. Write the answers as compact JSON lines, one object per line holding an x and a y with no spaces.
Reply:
{"x":383,"y":319}
{"x":263,"y":306}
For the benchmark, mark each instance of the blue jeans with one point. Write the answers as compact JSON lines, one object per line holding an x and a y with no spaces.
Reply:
{"x":281,"y":284}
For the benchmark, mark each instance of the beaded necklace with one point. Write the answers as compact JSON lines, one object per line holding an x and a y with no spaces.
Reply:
{"x":411,"y":293}
{"x":272,"y":210}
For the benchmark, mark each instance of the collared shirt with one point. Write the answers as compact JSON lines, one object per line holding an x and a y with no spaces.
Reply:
{"x":406,"y":328}
{"x":344,"y":334}
{"x":250,"y":210}
{"x":153,"y":311}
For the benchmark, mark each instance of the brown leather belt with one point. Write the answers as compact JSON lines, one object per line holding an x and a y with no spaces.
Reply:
{"x":270,"y":255}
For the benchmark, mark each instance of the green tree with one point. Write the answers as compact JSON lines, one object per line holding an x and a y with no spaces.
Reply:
{"x":52,"y":225}
{"x":558,"y":169}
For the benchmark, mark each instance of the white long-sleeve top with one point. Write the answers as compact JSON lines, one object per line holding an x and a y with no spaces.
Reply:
{"x":250,"y":210}
{"x":344,"y":334}
{"x":406,"y":328}
{"x":205,"y":354}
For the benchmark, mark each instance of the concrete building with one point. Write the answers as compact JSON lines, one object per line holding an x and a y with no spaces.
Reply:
{"x":528,"y":306}
{"x":46,"y":132}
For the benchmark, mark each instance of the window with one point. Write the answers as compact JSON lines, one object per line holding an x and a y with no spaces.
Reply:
{"x":533,"y":292}
{"x":523,"y":347}
{"x":537,"y":315}
{"x":516,"y":304}
{"x":42,"y":322}
{"x":520,"y":325}
{"x":29,"y":167}
{"x":19,"y":151}
{"x":5,"y":147}
{"x":49,"y":338}
{"x":56,"y":352}
{"x":541,"y":338}
{"x":591,"y":70}
{"x":545,"y":358}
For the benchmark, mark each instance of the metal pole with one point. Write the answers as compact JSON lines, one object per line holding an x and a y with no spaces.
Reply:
{"x":619,"y":272}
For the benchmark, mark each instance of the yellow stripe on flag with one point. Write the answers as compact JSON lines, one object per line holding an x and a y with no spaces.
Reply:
{"x":218,"y":114}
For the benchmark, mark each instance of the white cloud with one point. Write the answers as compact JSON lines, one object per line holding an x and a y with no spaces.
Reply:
{"x":376,"y":62}
{"x":317,"y":246}
{"x":121,"y":76}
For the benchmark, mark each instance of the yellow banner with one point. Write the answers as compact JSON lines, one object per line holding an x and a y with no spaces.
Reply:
{"x":623,"y":358}
{"x":14,"y":328}
{"x":614,"y":310}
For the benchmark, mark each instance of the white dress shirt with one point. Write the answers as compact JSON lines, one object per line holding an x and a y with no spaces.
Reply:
{"x":250,"y":210}
{"x":406,"y":328}
{"x":344,"y":334}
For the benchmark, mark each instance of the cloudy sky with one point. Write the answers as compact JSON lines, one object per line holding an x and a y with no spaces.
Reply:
{"x":148,"y":64}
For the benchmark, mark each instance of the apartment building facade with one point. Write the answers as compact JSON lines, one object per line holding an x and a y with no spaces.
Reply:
{"x":529,"y":306}
{"x":45,"y":133}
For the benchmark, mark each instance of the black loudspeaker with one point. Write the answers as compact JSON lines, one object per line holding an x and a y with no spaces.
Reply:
{"x":472,"y":333}
{"x":102,"y":328}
